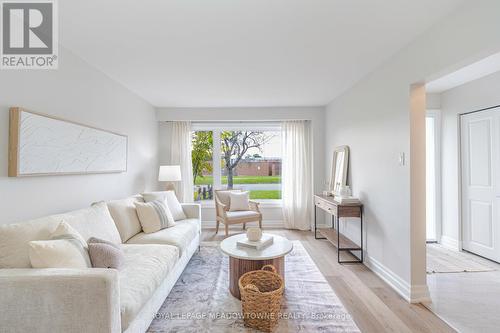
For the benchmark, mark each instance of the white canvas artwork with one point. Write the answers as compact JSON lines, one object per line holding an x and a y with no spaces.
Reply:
{"x":52,"y":146}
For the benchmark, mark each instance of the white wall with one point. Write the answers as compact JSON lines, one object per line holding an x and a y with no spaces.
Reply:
{"x":79,"y":93}
{"x":271,"y":213}
{"x":475,"y":95}
{"x":373,"y":118}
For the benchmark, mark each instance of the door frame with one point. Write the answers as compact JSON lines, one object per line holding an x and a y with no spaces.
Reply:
{"x":436,"y":114}
{"x":460,"y":173}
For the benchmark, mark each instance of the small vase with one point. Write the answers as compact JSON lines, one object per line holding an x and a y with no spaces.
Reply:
{"x":254,"y":234}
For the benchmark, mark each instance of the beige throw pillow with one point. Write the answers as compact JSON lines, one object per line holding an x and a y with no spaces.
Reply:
{"x":170,"y":199}
{"x":239,"y":201}
{"x":154,"y":216}
{"x":59,"y":253}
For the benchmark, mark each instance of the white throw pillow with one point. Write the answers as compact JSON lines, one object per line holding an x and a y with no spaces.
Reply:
{"x":94,"y":221}
{"x":154,"y":216}
{"x":171,"y":200}
{"x":59,"y":253}
{"x":239,"y":201}
{"x":65,"y":231}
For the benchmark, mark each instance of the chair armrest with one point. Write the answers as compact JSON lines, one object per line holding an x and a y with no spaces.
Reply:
{"x":192,"y":211}
{"x":60,"y":300}
{"x":254,"y":206}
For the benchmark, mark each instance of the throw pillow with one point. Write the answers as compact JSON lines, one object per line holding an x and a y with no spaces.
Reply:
{"x":239,"y":201}
{"x":65,"y":231}
{"x":98,"y":240}
{"x":154,"y":216}
{"x":58,"y":253}
{"x":106,"y":255}
{"x":171,"y":200}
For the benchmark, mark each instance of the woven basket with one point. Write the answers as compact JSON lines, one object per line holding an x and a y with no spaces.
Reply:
{"x":261,"y":294}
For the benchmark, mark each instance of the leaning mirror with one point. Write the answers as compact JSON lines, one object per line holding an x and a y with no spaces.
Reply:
{"x":340,"y":166}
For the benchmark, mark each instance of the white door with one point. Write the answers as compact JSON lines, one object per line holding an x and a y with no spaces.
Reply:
{"x":480,"y":145}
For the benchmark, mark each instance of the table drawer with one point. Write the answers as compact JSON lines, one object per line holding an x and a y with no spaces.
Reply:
{"x":326,"y":206}
{"x":350,"y":211}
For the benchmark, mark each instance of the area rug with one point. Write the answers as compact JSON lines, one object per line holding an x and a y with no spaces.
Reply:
{"x":443,"y":260}
{"x":200,"y":301}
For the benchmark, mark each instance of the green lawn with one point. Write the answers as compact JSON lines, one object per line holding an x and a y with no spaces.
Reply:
{"x":258,"y":195}
{"x":265,"y":194}
{"x":242,"y":180}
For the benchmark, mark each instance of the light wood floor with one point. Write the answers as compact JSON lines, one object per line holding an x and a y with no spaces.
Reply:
{"x":374,"y":306}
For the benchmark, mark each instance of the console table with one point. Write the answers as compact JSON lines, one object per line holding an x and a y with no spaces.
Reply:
{"x":336,"y":210}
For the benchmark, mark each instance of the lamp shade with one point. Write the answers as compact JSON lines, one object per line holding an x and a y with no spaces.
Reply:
{"x":170,"y":173}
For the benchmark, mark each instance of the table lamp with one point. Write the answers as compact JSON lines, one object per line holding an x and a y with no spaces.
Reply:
{"x":170,"y":174}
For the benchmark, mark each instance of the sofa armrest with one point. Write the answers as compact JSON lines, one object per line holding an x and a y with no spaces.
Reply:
{"x":60,"y":300}
{"x":192,"y":211}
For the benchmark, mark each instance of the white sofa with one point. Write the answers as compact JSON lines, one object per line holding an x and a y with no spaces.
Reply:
{"x":94,"y":299}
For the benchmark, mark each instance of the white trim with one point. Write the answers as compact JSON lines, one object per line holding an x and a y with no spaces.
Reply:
{"x":420,"y":294}
{"x":266,"y":224}
{"x":238,"y":125}
{"x":450,"y":243}
{"x":264,"y":203}
{"x":412,"y":294}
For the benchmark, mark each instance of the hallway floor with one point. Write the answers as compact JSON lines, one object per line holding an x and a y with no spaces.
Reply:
{"x":470,"y":301}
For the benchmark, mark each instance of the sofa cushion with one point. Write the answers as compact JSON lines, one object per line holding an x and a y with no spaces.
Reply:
{"x":180,"y":235}
{"x":94,"y":221}
{"x":242,"y":215}
{"x":145,"y":268}
{"x":125,"y":216}
{"x":14,"y":239}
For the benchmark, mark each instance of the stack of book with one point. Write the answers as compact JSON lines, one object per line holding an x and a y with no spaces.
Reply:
{"x":347,"y":200}
{"x":264,"y":242}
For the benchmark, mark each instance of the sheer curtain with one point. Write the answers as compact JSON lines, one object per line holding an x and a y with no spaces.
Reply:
{"x":297,"y":185}
{"x":180,"y":154}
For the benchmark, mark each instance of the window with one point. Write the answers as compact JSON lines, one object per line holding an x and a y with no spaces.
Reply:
{"x":202,"y":150}
{"x":249,"y":158}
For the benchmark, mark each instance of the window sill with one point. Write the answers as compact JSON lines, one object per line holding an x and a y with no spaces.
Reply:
{"x":264,"y":203}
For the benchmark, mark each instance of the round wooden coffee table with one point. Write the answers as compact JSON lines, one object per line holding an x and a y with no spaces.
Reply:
{"x":243,"y":259}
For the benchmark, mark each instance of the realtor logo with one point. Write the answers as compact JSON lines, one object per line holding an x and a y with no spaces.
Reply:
{"x":29,"y":35}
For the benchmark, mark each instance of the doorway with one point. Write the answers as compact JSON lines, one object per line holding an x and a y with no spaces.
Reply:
{"x":463,"y":197}
{"x":433,"y":175}
{"x":480,"y":179}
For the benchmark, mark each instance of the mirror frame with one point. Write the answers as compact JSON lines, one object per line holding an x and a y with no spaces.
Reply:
{"x":336,"y":151}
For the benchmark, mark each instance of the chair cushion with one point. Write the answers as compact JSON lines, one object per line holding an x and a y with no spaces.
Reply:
{"x":242,"y":215}
{"x":239,"y":201}
{"x":125,"y":216}
{"x":180,"y":235}
{"x":145,"y":268}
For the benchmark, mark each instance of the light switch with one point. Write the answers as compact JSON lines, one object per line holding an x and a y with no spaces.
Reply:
{"x":402,"y":159}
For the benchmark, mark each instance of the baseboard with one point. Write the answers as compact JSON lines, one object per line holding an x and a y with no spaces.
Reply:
{"x":420,"y":294}
{"x":412,"y":294}
{"x":266,"y":224}
{"x":450,"y":243}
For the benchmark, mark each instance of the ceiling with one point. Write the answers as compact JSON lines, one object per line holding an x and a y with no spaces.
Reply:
{"x":220,"y":53}
{"x":466,"y":74}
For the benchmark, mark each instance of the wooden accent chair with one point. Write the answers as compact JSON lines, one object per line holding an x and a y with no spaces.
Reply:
{"x":223,"y":215}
